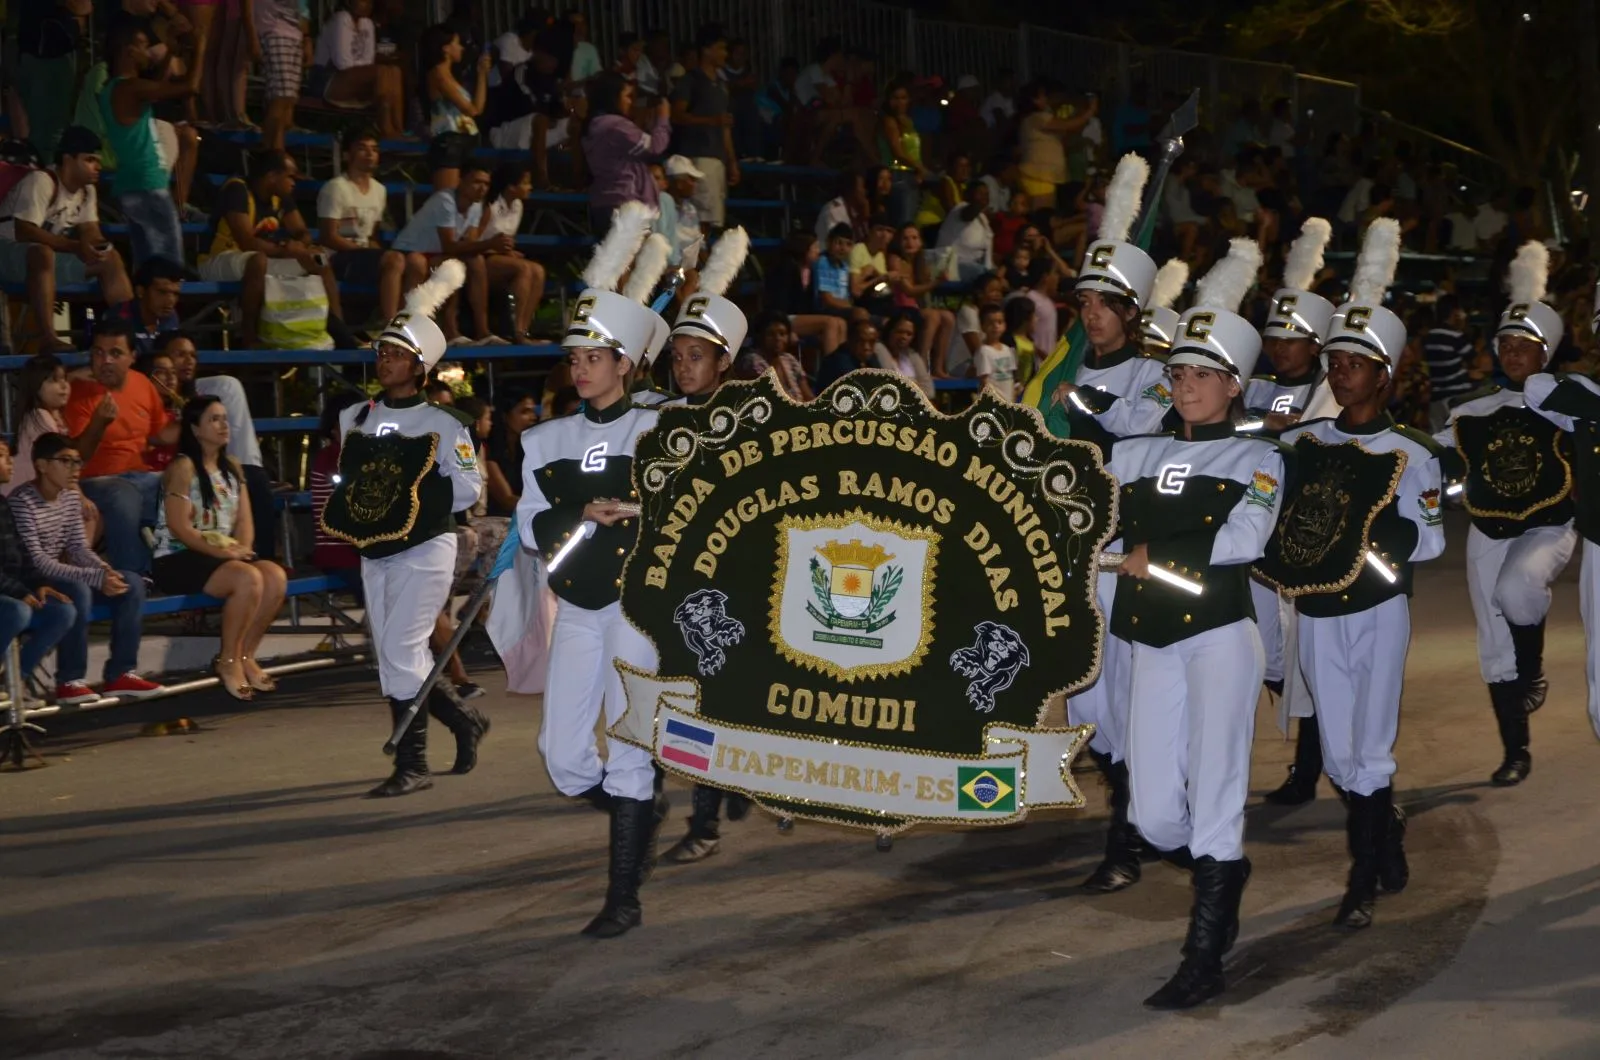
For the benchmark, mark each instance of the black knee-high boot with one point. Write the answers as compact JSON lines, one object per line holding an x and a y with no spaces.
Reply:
{"x":1213,"y":927}
{"x":1393,"y":870}
{"x":633,"y":833}
{"x":1363,"y":830}
{"x":704,"y":836}
{"x":1119,"y":868}
{"x":1528,"y":643}
{"x":1306,"y":769}
{"x":1511,"y":716}
{"x":468,"y":725}
{"x":410,"y":755}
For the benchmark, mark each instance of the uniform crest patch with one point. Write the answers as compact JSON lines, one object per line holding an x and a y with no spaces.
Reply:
{"x":466,"y":456}
{"x":1159,"y":393}
{"x":1263,"y":490}
{"x":1428,"y":503}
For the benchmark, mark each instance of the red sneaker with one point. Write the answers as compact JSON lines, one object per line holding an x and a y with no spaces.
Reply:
{"x":75,"y":692}
{"x":131,"y":686}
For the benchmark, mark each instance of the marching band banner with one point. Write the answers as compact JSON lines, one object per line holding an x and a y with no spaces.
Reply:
{"x":862,"y":606}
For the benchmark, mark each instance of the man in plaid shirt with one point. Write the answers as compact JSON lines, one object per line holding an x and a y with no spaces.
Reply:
{"x":27,"y":604}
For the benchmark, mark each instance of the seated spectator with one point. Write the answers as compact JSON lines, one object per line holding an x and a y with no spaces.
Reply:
{"x":1177,"y":202}
{"x":995,"y":363}
{"x":850,"y":207}
{"x":450,"y":225}
{"x":1009,"y":223}
{"x":157,"y":286}
{"x":776,"y":105}
{"x":820,"y":91}
{"x":859,"y":351}
{"x":27,"y":604}
{"x":515,"y":412}
{"x":739,"y":74}
{"x":283,"y":38}
{"x":998,"y":106}
{"x":773,"y":351}
{"x":916,"y":284}
{"x":509,"y":270}
{"x":243,"y":445}
{"x":452,"y":112}
{"x":835,"y":289}
{"x":871,"y":281}
{"x":966,"y":230}
{"x":585,"y":57}
{"x":159,"y":368}
{"x":969,"y":329}
{"x":44,"y":392}
{"x":142,"y":182}
{"x":683,"y":178}
{"x":345,"y":70}
{"x":1018,"y":335}
{"x":350,"y":210}
{"x":945,"y":194}
{"x":900,"y":147}
{"x":112,"y":417}
{"x":788,"y":291}
{"x":1039,"y":277}
{"x":618,"y":151}
{"x":651,"y":76}
{"x":49,"y":517}
{"x":205,"y":542}
{"x":530,"y":106}
{"x":1042,"y":141}
{"x":898,"y":355}
{"x":329,"y":553}
{"x":436,"y":391}
{"x":50,"y":233}
{"x":257,"y":230}
{"x":702,"y":120}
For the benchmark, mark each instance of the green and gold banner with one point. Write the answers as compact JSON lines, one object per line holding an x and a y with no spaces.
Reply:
{"x":862,"y":606}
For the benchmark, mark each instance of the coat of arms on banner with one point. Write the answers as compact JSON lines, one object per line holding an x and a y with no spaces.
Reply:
{"x":861,"y":606}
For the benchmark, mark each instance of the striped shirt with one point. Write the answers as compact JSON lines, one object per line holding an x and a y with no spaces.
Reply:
{"x":1447,"y":354}
{"x":52,"y":532}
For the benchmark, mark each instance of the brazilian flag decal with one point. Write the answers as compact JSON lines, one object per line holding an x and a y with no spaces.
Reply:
{"x":993,"y":789}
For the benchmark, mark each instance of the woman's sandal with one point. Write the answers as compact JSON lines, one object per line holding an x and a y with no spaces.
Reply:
{"x":244,"y":691}
{"x":266,"y":683}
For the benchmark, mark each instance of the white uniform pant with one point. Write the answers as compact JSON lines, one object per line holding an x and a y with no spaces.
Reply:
{"x":581,"y":678}
{"x":1509,"y":582}
{"x":1189,"y":732}
{"x":1269,"y":623}
{"x":1355,"y":665}
{"x":405,"y":593}
{"x":1104,"y":704}
{"x":1589,"y":605}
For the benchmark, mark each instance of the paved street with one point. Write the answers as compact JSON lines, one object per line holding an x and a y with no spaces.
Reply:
{"x":227,"y":894}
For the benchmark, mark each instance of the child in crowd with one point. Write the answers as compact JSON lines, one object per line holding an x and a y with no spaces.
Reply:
{"x":1019,"y":315}
{"x":995,"y":363}
{"x":45,"y":391}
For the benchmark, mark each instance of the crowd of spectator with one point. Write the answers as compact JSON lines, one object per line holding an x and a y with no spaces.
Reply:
{"x":942,"y":248}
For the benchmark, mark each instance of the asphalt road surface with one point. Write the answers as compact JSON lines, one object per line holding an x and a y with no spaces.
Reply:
{"x":228,"y":894}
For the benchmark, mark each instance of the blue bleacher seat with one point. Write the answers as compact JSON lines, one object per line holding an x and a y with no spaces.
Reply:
{"x":170,"y":605}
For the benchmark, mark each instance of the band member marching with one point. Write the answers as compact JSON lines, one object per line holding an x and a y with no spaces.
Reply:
{"x":1573,"y":402}
{"x":1292,"y":344}
{"x":405,"y":468}
{"x":1197,"y":507}
{"x":1518,"y":489}
{"x":1117,"y":391}
{"x":579,"y":508}
{"x":1353,"y":638}
{"x":709,"y":331}
{"x":1159,"y":322}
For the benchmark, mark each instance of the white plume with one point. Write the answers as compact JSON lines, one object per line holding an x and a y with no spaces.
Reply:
{"x":647,"y":268}
{"x":1305,"y":254}
{"x":1124,"y":195}
{"x":1225,"y":284}
{"x":1529,"y":271}
{"x":426,"y":297}
{"x":1169,"y":284}
{"x":629,"y":225}
{"x":726,"y":259}
{"x":1375,"y":265}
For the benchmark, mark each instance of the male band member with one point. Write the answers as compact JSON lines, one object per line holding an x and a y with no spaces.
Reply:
{"x":1198,"y":505}
{"x":405,"y":468}
{"x":579,"y":508}
{"x":709,"y":331}
{"x":1292,"y":344}
{"x":1116,"y":392}
{"x":1353,"y":642}
{"x":1518,"y":489}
